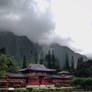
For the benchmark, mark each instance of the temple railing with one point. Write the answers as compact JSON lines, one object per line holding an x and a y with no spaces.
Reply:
{"x":37,"y":74}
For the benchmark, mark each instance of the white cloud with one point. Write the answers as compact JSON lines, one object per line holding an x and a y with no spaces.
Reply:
{"x":35,"y":19}
{"x":13,"y":17}
{"x":74,"y":20}
{"x":21,"y":17}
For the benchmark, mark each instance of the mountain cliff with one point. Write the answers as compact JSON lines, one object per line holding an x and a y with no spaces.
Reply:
{"x":61,"y":51}
{"x":19,"y":46}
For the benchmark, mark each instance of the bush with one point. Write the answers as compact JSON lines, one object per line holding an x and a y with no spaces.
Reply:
{"x":78,"y":81}
{"x":17,"y":86}
{"x":82,"y":82}
{"x":57,"y":85}
{"x":29,"y":89}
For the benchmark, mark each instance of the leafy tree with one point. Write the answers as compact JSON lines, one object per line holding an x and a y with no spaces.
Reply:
{"x":24,"y":62}
{"x":6,"y":65}
{"x":80,"y":69}
{"x":82,"y":82}
{"x":84,"y":69}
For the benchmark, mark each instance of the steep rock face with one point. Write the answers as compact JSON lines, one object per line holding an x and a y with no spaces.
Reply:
{"x":61,"y":51}
{"x":18,"y":46}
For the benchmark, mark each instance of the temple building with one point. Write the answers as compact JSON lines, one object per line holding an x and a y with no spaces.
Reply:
{"x":36,"y":75}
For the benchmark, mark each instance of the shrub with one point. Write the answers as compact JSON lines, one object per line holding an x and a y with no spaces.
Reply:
{"x":29,"y":89}
{"x":57,"y":85}
{"x":82,"y":82}
{"x":17,"y":86}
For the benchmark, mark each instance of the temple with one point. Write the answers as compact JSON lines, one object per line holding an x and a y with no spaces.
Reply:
{"x":36,"y":75}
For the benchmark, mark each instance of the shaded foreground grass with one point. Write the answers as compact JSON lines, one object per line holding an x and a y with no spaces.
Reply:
{"x":63,"y":89}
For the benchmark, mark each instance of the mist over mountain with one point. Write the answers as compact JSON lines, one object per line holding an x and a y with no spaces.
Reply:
{"x":19,"y":46}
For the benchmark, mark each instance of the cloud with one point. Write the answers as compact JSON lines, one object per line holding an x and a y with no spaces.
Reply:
{"x":67,"y":22}
{"x":32,"y":18}
{"x":74,"y":21}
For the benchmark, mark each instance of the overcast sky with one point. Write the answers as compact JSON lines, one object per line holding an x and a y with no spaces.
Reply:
{"x":68,"y":22}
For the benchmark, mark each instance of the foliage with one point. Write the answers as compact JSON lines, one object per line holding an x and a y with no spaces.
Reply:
{"x":80,"y":61}
{"x":31,"y":60}
{"x":36,"y":57}
{"x":6,"y":65}
{"x":84,"y":69}
{"x":24,"y":62}
{"x":3,"y":50}
{"x":72,"y":65}
{"x":67,"y":66}
{"x":82,"y":82}
{"x":62,"y":89}
{"x":48,"y":59}
{"x":52,"y":61}
{"x":57,"y":85}
{"x":29,"y":89}
{"x":17,"y":86}
{"x":41,"y":61}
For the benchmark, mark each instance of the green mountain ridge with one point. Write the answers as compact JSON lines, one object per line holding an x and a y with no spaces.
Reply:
{"x":61,"y":51}
{"x":19,"y":46}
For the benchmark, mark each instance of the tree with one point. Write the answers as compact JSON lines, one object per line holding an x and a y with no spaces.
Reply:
{"x":41,"y":58}
{"x":36,"y":57}
{"x":84,"y":69}
{"x":48,"y":59}
{"x":57,"y":65}
{"x":7,"y":65}
{"x":72,"y":64}
{"x":24,"y":62}
{"x":80,"y":61}
{"x":67,"y":66}
{"x":82,"y":82}
{"x":53,"y":59}
{"x":3,"y":50}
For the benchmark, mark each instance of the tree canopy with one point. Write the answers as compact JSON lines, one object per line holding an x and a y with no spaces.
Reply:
{"x":6,"y":65}
{"x":84,"y":69}
{"x":67,"y":66}
{"x":24,"y":62}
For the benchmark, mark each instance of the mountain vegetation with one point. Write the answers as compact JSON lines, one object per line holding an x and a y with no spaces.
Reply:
{"x":84,"y":69}
{"x":84,"y":83}
{"x":24,"y":62}
{"x":72,"y":67}
{"x":20,"y":51}
{"x":61,"y":52}
{"x":7,"y":65}
{"x":19,"y":46}
{"x":67,"y":66}
{"x":52,"y":61}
